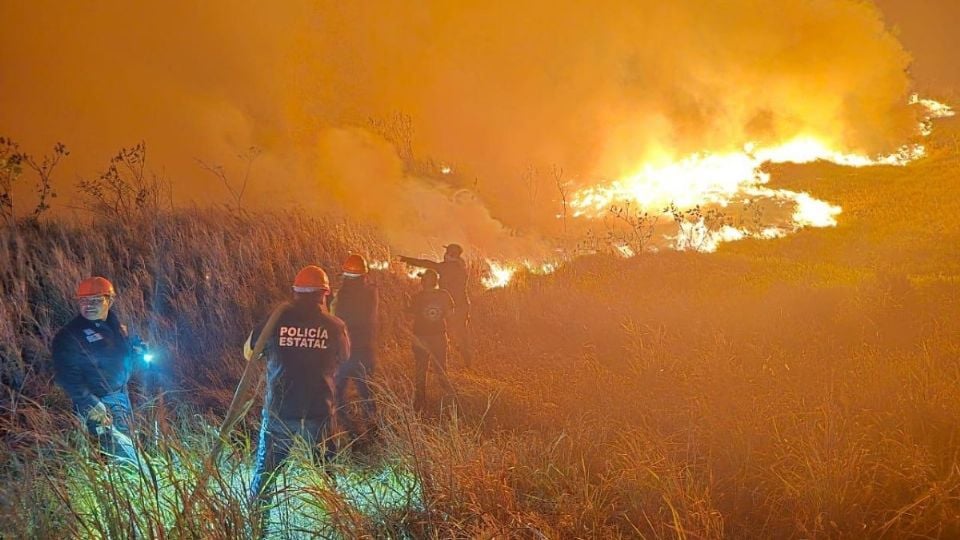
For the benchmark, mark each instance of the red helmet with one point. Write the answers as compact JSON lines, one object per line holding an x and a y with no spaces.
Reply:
{"x":311,"y":279}
{"x":95,"y":286}
{"x":354,"y":266}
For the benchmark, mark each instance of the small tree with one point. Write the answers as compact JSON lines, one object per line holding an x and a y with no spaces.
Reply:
{"x":564,"y":189}
{"x":126,"y":189}
{"x":695,"y":225}
{"x":12,"y":161}
{"x":10,"y":170}
{"x":44,"y":170}
{"x":639,"y":224}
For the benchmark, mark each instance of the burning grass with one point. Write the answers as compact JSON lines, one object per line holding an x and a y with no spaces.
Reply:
{"x":806,"y":387}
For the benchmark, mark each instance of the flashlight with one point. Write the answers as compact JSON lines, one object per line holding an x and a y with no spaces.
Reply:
{"x":143,"y":350}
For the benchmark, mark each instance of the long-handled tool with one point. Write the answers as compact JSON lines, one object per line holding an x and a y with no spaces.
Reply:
{"x":243,"y":396}
{"x":242,"y":400}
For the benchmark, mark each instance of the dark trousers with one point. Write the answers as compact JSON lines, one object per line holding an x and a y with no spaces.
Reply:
{"x":459,"y":324}
{"x":431,"y":349}
{"x":359,"y":369}
{"x":116,"y":440}
{"x":277,"y":436}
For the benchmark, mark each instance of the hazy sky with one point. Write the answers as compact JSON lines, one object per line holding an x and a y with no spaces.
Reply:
{"x":928,"y":30}
{"x":492,"y":91}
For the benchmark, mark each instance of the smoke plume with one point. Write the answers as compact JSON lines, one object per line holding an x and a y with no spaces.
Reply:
{"x":391,"y":110}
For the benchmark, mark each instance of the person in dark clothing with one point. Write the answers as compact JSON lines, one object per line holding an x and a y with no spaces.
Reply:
{"x":431,"y":307}
{"x":306,"y":344}
{"x":93,"y":359}
{"x":453,"y":278}
{"x":357,"y":304}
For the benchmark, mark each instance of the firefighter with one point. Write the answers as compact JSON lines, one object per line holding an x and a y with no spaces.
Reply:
{"x":453,"y":278}
{"x":305,"y":345}
{"x":431,"y":308}
{"x":93,"y":359}
{"x":357,"y":304}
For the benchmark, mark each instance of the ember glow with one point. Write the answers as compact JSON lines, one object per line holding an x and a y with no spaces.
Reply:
{"x":498,"y":275}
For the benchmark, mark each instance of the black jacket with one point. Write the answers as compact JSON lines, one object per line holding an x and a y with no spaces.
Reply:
{"x":430,"y":309}
{"x":357,"y":304}
{"x":302,"y":354}
{"x":453,"y":277}
{"x":91,"y":359}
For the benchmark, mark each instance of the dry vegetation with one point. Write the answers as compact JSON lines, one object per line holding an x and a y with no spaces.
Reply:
{"x":802,"y":388}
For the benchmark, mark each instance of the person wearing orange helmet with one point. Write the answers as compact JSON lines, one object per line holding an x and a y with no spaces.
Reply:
{"x":357,"y":304}
{"x":92,"y":363}
{"x":305,"y":345}
{"x":453,"y":278}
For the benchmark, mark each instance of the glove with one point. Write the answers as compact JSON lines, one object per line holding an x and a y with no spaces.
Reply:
{"x":139,"y":346}
{"x":100,"y":415}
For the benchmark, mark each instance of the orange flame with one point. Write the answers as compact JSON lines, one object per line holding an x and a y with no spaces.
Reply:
{"x":719,"y":179}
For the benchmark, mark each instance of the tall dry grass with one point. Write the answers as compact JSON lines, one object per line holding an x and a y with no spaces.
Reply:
{"x":808,"y":388}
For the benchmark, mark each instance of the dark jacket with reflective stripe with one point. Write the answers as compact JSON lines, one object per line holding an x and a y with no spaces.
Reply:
{"x":303,"y":352}
{"x":91,"y":359}
{"x":357,"y":304}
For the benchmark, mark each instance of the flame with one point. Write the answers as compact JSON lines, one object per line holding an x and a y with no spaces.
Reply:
{"x":411,"y":272}
{"x":935,"y":109}
{"x":720,"y":179}
{"x":499,"y":274}
{"x":812,"y":212}
{"x":379,"y":265}
{"x":542,"y":268}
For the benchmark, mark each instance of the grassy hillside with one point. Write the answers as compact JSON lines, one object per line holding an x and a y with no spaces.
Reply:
{"x":798,"y":388}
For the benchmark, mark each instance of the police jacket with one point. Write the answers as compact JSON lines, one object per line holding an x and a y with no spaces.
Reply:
{"x":453,"y":277}
{"x":303,"y":352}
{"x":91,"y":359}
{"x":357,"y":305}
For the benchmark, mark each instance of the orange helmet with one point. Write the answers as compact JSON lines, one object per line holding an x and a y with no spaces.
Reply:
{"x":311,"y":279}
{"x":95,"y":286}
{"x":354,"y":266}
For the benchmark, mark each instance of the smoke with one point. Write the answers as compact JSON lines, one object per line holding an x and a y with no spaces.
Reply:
{"x":492,"y":91}
{"x":362,"y":173}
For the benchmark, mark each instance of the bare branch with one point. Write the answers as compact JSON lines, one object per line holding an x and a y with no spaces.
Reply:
{"x":563,"y":188}
{"x":218,"y":171}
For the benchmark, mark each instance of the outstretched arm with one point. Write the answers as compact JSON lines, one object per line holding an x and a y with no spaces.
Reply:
{"x":422,"y":263}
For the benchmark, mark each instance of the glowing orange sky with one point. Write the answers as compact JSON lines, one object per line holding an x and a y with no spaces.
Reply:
{"x":491,"y":90}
